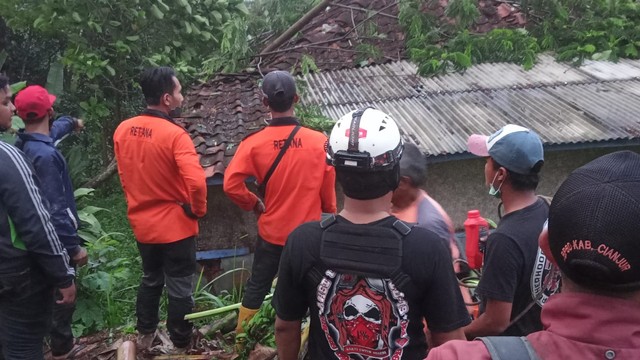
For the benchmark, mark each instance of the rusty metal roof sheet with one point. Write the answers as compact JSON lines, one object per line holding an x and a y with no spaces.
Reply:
{"x":565,"y":105}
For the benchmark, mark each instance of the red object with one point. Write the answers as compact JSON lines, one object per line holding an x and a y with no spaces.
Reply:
{"x":34,"y":100}
{"x":476,"y":230}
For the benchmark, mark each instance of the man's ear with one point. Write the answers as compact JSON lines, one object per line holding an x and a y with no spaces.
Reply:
{"x":265,"y":101}
{"x":165,"y":99}
{"x":296,"y":98}
{"x":502,"y":174}
{"x":405,"y":182}
{"x":543,"y":242}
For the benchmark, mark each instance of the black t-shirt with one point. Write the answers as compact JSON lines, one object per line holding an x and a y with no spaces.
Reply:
{"x":368,"y":318}
{"x":509,"y":260}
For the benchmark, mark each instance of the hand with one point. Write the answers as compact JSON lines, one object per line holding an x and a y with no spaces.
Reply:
{"x":188,"y":211}
{"x":68,"y":295}
{"x":258,"y":208}
{"x":81,"y":257}
{"x":79,"y":125}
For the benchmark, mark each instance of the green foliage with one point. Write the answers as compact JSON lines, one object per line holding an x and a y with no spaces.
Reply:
{"x":259,"y":330}
{"x":234,"y":49}
{"x":104,"y":45}
{"x":464,"y":11}
{"x":310,"y":116}
{"x":90,"y":229}
{"x":603,"y":30}
{"x":308,"y":65}
{"x":275,"y":16}
{"x":576,"y":30}
{"x":367,"y":53}
{"x":107,"y":285}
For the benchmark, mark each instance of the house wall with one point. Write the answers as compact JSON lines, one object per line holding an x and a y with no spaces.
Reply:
{"x":459,"y":186}
{"x":225,"y":226}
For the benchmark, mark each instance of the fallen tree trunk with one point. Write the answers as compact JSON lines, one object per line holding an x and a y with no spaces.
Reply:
{"x":103,"y":176}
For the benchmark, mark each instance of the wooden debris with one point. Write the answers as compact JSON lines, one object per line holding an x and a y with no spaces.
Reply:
{"x":127,"y":351}
{"x":261,"y":352}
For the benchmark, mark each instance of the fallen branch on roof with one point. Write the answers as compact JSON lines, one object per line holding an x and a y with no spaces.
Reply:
{"x":266,"y":51}
{"x":365,"y":10}
{"x":297,"y":26}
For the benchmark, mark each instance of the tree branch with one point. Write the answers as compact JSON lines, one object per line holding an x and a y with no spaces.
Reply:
{"x":297,"y":26}
{"x":362,"y":9}
{"x":103,"y":176}
{"x":265,"y":53}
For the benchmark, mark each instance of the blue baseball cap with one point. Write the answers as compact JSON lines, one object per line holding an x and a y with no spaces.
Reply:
{"x":515,"y":147}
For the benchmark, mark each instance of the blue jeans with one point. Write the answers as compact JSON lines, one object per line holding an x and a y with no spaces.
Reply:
{"x":25,"y":315}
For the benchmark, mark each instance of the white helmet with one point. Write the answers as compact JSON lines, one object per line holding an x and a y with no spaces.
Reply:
{"x":366,"y":140}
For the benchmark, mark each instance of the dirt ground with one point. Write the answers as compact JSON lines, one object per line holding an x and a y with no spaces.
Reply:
{"x":103,"y":346}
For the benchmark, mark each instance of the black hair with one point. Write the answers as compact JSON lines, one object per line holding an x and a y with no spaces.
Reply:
{"x":155,"y":82}
{"x":523,"y":182}
{"x":414,"y":165}
{"x":362,"y":185}
{"x":280,"y":103}
{"x":4,"y":81}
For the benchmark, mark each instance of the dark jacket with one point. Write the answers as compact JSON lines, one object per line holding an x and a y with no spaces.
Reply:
{"x":21,"y":202}
{"x":55,"y":182}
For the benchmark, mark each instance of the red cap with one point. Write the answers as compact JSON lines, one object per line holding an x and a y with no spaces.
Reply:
{"x":33,"y":102}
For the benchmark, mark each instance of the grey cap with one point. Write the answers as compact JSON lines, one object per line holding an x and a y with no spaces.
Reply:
{"x":279,"y":85}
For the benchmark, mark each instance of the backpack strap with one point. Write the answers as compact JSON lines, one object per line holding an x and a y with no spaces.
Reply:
{"x":509,"y":348}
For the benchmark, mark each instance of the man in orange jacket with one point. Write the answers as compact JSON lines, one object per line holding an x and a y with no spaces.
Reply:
{"x":301,"y":188}
{"x":166,"y":193}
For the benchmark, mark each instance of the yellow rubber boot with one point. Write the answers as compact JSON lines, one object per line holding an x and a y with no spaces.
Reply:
{"x":244,"y":315}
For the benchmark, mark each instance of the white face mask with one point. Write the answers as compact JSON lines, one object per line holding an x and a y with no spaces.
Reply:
{"x":493,"y":191}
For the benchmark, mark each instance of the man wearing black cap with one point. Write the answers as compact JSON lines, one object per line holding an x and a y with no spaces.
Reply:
{"x":514,"y":158}
{"x":301,"y":187}
{"x":593,"y":236}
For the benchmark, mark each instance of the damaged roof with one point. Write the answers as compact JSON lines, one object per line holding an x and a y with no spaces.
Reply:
{"x":339,"y":36}
{"x":597,"y":102}
{"x":222,"y":111}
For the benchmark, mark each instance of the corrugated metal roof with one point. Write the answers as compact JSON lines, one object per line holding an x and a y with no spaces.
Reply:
{"x":565,"y":105}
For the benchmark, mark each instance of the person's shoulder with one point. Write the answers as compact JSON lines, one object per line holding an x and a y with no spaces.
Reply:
{"x":9,"y":151}
{"x":307,"y":229}
{"x":39,"y":149}
{"x":250,"y":136}
{"x":460,"y":349}
{"x":423,"y":237}
{"x":124,"y":124}
{"x":314,"y":135}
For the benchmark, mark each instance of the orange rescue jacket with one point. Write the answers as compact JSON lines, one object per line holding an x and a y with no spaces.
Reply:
{"x":300,"y":188}
{"x":159,"y":171}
